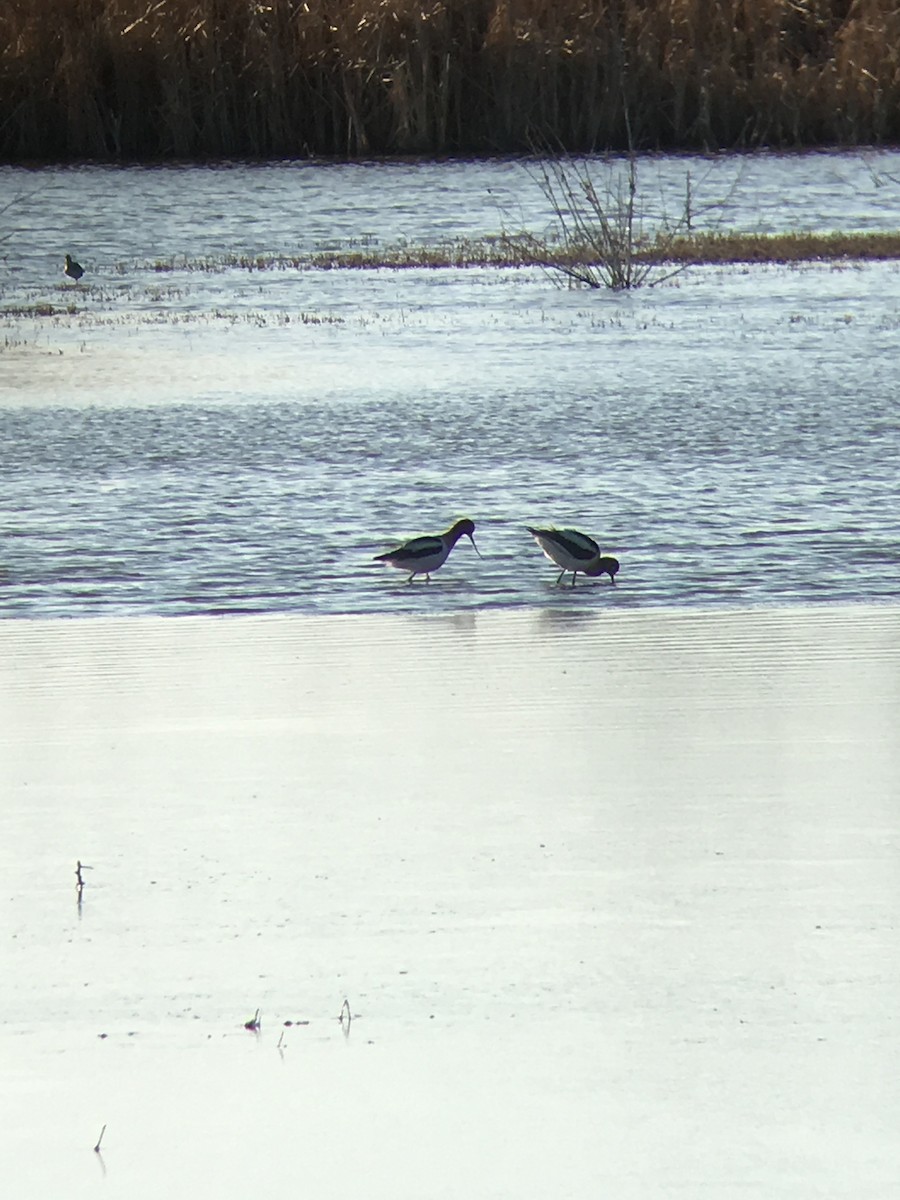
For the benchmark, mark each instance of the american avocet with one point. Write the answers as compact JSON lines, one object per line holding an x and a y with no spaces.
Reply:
{"x":73,"y":269}
{"x":423,"y":555}
{"x":574,"y":551}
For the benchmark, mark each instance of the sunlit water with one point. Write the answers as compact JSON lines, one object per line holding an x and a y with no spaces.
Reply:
{"x":612,"y":899}
{"x":225,"y":440}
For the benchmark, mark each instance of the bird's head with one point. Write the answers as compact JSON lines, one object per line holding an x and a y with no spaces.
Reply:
{"x":464,"y":528}
{"x":605,"y":565}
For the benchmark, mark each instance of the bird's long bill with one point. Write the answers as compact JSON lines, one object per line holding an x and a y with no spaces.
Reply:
{"x":477,"y":551}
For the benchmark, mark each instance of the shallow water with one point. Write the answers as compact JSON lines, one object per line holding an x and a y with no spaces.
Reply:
{"x":612,"y":897}
{"x":612,"y":894}
{"x":227,"y":440}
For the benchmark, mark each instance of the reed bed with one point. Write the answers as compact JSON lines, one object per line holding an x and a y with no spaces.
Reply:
{"x":194,"y":79}
{"x":746,"y":248}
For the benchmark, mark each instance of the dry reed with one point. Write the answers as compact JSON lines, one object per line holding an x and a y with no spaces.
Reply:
{"x":161,"y":79}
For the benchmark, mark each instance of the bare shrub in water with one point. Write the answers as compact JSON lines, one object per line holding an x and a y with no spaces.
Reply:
{"x":598,"y":238}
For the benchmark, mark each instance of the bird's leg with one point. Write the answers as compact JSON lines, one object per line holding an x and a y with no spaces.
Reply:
{"x":560,"y":577}
{"x":574,"y":576}
{"x":411,"y":578}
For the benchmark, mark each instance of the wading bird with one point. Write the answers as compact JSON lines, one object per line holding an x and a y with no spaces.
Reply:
{"x":423,"y":555}
{"x":73,"y":269}
{"x":574,"y":551}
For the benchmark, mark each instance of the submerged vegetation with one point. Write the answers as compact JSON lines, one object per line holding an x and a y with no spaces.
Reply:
{"x":158,"y":79}
{"x":97,"y":306}
{"x":517,"y":250}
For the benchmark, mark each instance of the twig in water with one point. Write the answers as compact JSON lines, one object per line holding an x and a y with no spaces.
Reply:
{"x":254,"y":1023}
{"x":102,"y":1131}
{"x":79,"y":880}
{"x":346,"y":1016}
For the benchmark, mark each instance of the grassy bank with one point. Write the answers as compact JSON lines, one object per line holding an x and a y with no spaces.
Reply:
{"x":694,"y":250}
{"x":157,"y":79}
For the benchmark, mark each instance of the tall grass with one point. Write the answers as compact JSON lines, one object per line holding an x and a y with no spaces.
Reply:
{"x":139,"y":79}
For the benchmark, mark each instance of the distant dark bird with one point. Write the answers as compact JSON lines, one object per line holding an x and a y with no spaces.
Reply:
{"x":73,"y":269}
{"x":574,"y":551}
{"x":423,"y":555}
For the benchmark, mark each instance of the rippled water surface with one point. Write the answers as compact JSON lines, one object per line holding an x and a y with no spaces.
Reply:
{"x":209,"y":438}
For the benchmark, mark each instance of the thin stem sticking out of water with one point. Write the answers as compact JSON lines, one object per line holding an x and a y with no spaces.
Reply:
{"x":79,"y":879}
{"x":346,"y":1017}
{"x":99,"y":1140}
